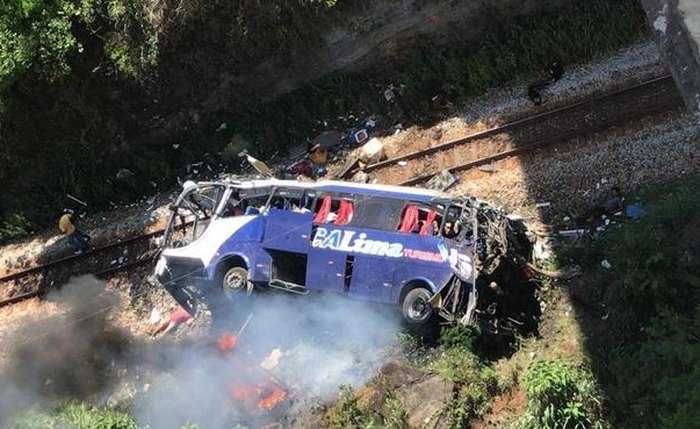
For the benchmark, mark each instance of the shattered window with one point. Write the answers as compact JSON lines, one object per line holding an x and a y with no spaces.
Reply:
{"x":288,"y":199}
{"x":192,"y":213}
{"x":452,"y":227}
{"x":377,"y":213}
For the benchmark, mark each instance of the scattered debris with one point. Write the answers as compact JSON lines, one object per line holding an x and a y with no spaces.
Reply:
{"x":574,"y":232}
{"x":76,"y":200}
{"x":123,"y":173}
{"x":372,"y":152}
{"x":272,"y":360}
{"x":488,"y":168}
{"x":154,"y":317}
{"x":360,"y":177}
{"x":442,"y":181}
{"x":177,"y":318}
{"x":543,"y":205}
{"x":259,"y":166}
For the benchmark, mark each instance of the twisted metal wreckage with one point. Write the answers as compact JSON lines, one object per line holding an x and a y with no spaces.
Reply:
{"x":497,"y":294}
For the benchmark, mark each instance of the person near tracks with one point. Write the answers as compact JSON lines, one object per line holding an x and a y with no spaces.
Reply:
{"x":552,"y":73}
{"x":77,"y":239}
{"x":612,"y":204}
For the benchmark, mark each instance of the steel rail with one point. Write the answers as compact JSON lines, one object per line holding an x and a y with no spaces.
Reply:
{"x":75,"y":258}
{"x":561,"y":137}
{"x":100,"y":274}
{"x":509,"y":126}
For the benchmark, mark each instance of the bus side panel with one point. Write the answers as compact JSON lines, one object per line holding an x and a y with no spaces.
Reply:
{"x":435,"y":276}
{"x":244,"y":243}
{"x":288,"y":231}
{"x":373,"y":278}
{"x":326,"y":270}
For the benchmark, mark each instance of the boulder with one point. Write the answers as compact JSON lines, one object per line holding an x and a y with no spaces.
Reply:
{"x":372,"y":152}
{"x":422,"y":394}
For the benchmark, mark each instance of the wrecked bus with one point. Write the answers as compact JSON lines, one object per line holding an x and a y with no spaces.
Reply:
{"x":421,"y":250}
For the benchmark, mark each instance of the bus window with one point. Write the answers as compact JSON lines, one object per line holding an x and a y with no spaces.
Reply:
{"x":419,"y":219}
{"x":335,"y":210}
{"x":233,"y":206}
{"x":377,"y":213}
{"x":451,"y":226}
{"x":287,"y":199}
{"x":191,"y":214}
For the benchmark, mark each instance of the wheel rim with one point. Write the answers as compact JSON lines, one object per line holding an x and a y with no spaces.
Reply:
{"x":235,"y":281}
{"x":419,"y":309}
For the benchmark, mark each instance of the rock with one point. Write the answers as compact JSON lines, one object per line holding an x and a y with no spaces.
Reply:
{"x":372,"y":152}
{"x":442,"y":181}
{"x":360,"y":177}
{"x":422,"y":394}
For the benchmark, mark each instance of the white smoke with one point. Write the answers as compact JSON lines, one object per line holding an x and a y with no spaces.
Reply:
{"x":319,"y":342}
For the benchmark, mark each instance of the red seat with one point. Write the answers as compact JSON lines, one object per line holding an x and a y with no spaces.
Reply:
{"x":410,"y":218}
{"x":428,"y":222}
{"x":344,"y":213}
{"x":324,"y":210}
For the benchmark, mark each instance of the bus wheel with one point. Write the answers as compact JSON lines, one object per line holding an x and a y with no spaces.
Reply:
{"x":235,"y":283}
{"x":416,"y":307}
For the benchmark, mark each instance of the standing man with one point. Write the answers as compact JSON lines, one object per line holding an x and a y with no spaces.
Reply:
{"x":77,"y":239}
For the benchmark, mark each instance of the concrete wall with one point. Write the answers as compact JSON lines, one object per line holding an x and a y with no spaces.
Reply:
{"x":676,"y":27}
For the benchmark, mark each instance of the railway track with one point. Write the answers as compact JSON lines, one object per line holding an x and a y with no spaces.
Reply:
{"x":537,"y":131}
{"x":101,"y":262}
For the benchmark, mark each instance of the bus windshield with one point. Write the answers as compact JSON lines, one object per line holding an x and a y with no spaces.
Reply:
{"x":191,"y":214}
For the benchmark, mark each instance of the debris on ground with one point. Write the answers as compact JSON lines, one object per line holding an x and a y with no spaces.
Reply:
{"x":272,"y":360}
{"x":177,"y":318}
{"x":372,"y":152}
{"x":442,"y":181}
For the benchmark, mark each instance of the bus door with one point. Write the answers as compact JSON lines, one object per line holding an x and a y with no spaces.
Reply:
{"x":328,"y":262}
{"x":373,"y":278}
{"x":373,"y":269}
{"x":287,"y":235}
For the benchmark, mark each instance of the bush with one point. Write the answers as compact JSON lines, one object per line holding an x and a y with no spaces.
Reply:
{"x":648,"y":355}
{"x":560,"y":396}
{"x":76,"y":416}
{"x":476,"y":382}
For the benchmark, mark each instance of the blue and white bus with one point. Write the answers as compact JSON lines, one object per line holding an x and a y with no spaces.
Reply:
{"x":403,"y":246}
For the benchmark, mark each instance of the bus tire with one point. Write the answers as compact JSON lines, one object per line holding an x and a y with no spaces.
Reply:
{"x":235,"y":283}
{"x":416,"y":307}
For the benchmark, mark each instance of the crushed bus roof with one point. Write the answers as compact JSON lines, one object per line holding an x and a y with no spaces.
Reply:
{"x":414,"y":194}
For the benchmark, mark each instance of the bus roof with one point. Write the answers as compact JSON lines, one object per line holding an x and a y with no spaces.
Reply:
{"x":386,"y":191}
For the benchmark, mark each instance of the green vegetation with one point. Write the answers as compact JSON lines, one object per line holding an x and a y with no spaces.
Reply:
{"x":83,"y":81}
{"x":511,"y":51}
{"x":475,"y":381}
{"x":75,"y":416}
{"x":350,"y":413}
{"x":645,"y":351}
{"x":560,"y":396}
